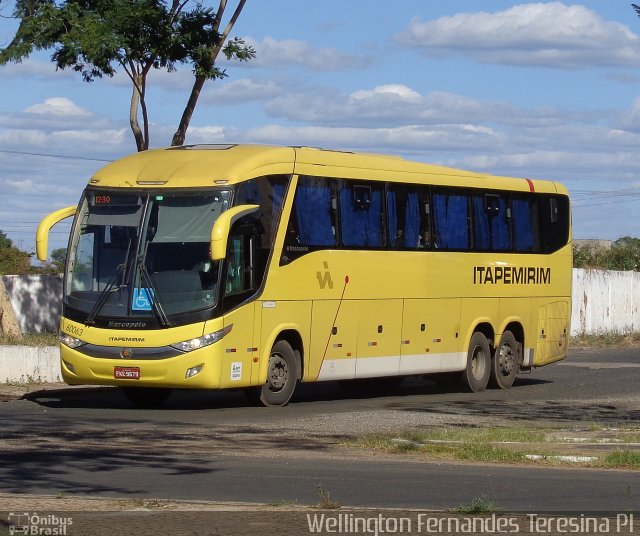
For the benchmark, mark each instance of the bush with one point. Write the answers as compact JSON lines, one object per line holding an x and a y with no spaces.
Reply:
{"x":623,"y":255}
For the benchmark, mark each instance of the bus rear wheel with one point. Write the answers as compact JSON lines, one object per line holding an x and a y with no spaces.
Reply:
{"x":506,"y":361}
{"x":146,"y":397}
{"x":476,"y":375}
{"x":282,"y":376}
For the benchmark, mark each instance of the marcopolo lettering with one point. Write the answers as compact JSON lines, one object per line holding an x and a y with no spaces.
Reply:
{"x":511,"y":275}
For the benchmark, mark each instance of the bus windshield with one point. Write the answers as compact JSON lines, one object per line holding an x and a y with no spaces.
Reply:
{"x":141,"y":254}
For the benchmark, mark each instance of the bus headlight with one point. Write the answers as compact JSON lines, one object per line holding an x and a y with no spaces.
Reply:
{"x":70,"y":341}
{"x":201,"y":342}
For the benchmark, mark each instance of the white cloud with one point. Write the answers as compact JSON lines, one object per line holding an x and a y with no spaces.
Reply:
{"x":399,"y":91}
{"x":389,"y":105}
{"x":31,"y":186}
{"x":281,"y":53}
{"x":242,"y":90}
{"x":406,"y":138}
{"x":32,"y":67}
{"x":73,"y":142}
{"x":207,"y":134}
{"x":58,"y":106}
{"x":543,"y":34}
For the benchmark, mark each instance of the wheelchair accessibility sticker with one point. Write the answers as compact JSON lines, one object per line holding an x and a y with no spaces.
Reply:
{"x":142,"y":299}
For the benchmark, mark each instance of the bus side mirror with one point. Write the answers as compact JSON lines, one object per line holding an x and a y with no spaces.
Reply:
{"x":42,"y":234}
{"x":220,"y":231}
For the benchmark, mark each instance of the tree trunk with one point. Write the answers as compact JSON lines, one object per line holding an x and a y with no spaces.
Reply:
{"x":181,"y":133}
{"x":8,"y":322}
{"x":133,"y":115}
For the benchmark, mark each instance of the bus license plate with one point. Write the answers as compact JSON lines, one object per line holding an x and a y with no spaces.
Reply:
{"x":126,"y":373}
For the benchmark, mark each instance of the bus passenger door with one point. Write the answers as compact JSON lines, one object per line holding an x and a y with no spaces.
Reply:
{"x":238,"y":285}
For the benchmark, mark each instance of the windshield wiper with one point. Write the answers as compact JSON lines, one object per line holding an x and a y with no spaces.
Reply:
{"x":109,"y":287}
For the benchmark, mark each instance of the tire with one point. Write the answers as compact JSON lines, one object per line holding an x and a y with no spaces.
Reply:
{"x":283,"y":372}
{"x":476,"y":375}
{"x":506,"y":361}
{"x":146,"y":397}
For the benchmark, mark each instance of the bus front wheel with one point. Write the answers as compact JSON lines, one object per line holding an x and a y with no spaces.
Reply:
{"x":476,"y":375}
{"x":506,"y":361}
{"x":282,"y":376}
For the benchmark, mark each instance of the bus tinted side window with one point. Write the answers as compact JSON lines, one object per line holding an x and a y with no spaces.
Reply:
{"x":451,"y":220}
{"x":526,"y":227}
{"x":491,"y":222}
{"x":554,"y":212}
{"x":268,"y":192}
{"x":361,"y":214}
{"x":408,"y":213}
{"x":312,"y":217}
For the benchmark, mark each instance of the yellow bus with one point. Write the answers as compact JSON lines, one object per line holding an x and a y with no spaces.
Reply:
{"x":258,"y":267}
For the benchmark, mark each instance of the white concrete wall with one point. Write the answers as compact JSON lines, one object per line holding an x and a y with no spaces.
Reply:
{"x":25,"y":364}
{"x":605,"y":301}
{"x":36,"y":300}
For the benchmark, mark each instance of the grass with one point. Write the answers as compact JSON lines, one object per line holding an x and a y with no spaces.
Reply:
{"x":325,"y":503}
{"x":459,"y":443}
{"x":611,"y":339}
{"x":500,"y":445}
{"x":622,"y":459}
{"x":479,"y":506}
{"x":483,"y":435}
{"x":30,"y":339}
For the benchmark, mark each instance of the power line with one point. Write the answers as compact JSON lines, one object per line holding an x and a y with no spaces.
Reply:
{"x":602,"y":193}
{"x":68,"y":157}
{"x":575,"y":205}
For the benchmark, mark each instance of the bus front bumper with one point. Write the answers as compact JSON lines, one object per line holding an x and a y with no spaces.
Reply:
{"x":199,"y":369}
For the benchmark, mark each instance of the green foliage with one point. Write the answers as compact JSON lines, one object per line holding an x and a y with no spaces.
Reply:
{"x":623,"y":459}
{"x":13,"y":261}
{"x":58,"y":259}
{"x":624,"y":255}
{"x":30,"y":339}
{"x":5,"y":242}
{"x":479,"y":506}
{"x":96,"y":37}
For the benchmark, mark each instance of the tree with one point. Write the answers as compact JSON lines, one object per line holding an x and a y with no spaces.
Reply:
{"x":96,"y":37}
{"x":58,"y":259}
{"x":623,"y":255}
{"x":206,"y":65}
{"x":13,"y":260}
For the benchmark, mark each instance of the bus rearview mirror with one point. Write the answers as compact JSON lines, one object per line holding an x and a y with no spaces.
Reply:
{"x":42,"y":234}
{"x":222,"y":227}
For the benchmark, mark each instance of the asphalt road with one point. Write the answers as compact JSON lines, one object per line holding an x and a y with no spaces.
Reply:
{"x":213,"y":446}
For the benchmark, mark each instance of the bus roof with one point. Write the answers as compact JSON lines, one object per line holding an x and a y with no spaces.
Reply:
{"x":225,"y":164}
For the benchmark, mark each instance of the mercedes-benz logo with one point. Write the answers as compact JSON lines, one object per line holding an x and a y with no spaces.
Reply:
{"x":126,"y":353}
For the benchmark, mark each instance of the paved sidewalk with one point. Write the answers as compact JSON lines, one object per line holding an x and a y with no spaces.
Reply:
{"x":71,"y":516}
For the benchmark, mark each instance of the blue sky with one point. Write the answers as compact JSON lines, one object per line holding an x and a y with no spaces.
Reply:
{"x":542,"y":90}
